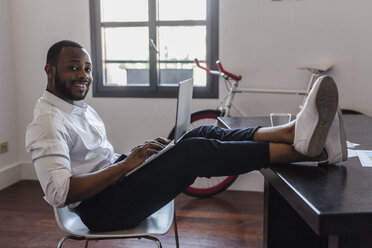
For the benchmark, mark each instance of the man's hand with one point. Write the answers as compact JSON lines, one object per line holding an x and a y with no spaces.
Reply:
{"x":142,"y":152}
{"x":86,"y":185}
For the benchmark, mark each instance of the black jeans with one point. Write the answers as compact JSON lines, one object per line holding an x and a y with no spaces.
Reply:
{"x":204,"y":152}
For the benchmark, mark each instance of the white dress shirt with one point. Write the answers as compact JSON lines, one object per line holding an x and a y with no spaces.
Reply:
{"x":66,"y":139}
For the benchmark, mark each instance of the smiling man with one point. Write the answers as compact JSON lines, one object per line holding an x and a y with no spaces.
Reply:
{"x":70,"y":61}
{"x":77,"y":166}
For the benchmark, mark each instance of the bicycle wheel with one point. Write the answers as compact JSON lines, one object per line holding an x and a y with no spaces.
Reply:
{"x":205,"y":187}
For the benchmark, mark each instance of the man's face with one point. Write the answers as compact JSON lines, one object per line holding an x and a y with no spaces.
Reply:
{"x":73,"y":74}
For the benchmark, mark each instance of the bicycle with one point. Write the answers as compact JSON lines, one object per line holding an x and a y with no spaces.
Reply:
{"x":205,"y":187}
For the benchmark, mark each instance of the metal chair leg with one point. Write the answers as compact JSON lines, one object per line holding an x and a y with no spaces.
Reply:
{"x":157,"y":241}
{"x":60,"y":243}
{"x":175,"y":230}
{"x":62,"y":240}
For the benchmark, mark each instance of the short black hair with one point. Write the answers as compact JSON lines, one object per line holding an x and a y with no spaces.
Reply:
{"x":55,"y":50}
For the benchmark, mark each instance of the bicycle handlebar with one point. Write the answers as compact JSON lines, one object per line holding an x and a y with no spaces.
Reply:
{"x":221,"y":71}
{"x":233,"y":76}
{"x":207,"y":68}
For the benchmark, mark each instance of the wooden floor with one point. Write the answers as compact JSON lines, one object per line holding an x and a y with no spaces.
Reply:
{"x":231,"y":219}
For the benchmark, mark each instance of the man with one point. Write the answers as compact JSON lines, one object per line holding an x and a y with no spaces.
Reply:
{"x":77,"y":166}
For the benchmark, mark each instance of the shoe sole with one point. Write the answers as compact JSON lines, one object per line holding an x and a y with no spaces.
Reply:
{"x":342,"y":136}
{"x":343,"y":152}
{"x":326,"y":103}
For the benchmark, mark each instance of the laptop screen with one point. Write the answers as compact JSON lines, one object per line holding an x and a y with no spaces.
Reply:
{"x":184,"y":103}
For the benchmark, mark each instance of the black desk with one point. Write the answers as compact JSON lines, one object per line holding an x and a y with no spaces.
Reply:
{"x":324,"y":206}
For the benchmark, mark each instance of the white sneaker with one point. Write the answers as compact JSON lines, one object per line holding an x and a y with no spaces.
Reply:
{"x":315,"y":118}
{"x":335,"y":144}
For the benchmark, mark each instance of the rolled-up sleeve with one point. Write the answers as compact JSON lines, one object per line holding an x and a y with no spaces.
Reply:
{"x":48,"y":142}
{"x":54,"y":177}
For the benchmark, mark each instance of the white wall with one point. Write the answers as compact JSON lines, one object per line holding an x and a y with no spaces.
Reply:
{"x":8,"y":103}
{"x":262,"y":40}
{"x":266,"y":41}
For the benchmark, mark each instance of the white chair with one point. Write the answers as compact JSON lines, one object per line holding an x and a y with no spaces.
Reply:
{"x":158,"y":223}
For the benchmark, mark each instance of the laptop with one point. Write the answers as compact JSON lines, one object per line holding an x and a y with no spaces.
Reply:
{"x":182,"y":125}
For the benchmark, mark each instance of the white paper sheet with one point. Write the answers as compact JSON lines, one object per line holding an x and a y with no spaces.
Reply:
{"x":351,"y":153}
{"x":365,"y":157}
{"x":351,"y":145}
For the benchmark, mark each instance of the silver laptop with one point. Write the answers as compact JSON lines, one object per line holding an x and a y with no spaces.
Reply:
{"x":182,"y":125}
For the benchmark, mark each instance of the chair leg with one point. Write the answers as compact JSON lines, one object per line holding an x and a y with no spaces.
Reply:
{"x":175,"y":230}
{"x":60,"y":243}
{"x":86,"y":243}
{"x":157,"y":241}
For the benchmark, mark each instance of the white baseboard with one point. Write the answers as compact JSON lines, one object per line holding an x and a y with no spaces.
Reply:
{"x":9,"y":175}
{"x":16,"y":172}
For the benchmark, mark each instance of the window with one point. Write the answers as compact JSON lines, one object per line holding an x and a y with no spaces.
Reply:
{"x":143,"y":48}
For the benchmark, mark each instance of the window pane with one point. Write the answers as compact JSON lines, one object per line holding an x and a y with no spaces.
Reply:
{"x":200,"y":76}
{"x":182,"y":10}
{"x":179,"y":46}
{"x":182,"y":43}
{"x":131,"y":43}
{"x":124,"y":10}
{"x":180,"y":30}
{"x":172,"y":74}
{"x":127,"y":74}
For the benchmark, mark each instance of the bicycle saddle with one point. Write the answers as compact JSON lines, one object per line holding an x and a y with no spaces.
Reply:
{"x":317,"y":68}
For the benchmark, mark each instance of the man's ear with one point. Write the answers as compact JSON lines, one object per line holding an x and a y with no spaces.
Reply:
{"x":50,"y":70}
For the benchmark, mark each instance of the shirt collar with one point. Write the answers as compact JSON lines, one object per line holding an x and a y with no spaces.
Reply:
{"x":78,"y":108}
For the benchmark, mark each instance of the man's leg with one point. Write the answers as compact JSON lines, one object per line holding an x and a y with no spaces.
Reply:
{"x":134,"y":198}
{"x":280,"y":138}
{"x":284,"y":153}
{"x":278,"y":134}
{"x":212,"y":132}
{"x":281,"y":144}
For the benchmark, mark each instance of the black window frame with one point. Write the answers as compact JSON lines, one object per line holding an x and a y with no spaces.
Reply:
{"x":153,"y":90}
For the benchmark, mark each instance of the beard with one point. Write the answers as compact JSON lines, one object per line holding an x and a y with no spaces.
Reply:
{"x":67,"y":92}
